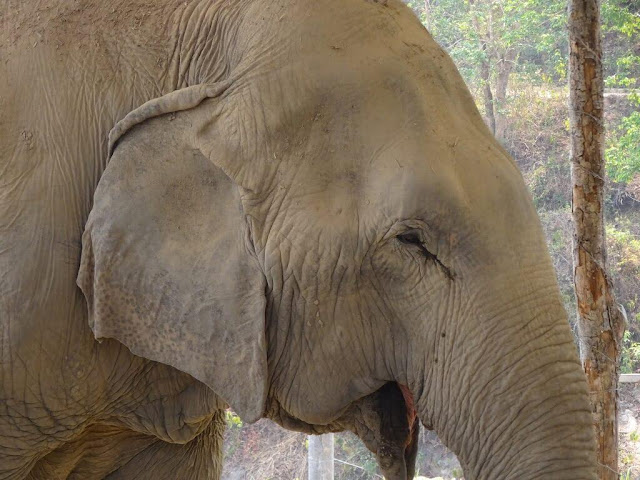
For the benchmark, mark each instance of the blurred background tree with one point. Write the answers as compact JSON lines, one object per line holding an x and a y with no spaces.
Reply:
{"x":492,"y":39}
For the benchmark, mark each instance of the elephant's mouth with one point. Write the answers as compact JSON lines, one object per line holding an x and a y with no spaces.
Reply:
{"x":386,"y":421}
{"x":396,"y":445}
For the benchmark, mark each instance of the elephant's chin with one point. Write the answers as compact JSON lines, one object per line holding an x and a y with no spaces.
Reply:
{"x":385,"y":421}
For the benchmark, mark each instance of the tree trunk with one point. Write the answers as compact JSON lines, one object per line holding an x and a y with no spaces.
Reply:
{"x":320,"y":457}
{"x":485,"y":71}
{"x":600,"y":323}
{"x":427,"y":14}
{"x":505,"y":67}
{"x":485,"y":74}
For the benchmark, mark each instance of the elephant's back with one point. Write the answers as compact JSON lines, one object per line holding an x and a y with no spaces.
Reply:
{"x":65,"y":80}
{"x":58,"y":100}
{"x":69,"y":22}
{"x":47,"y":165}
{"x":59,"y":96}
{"x":52,"y":153}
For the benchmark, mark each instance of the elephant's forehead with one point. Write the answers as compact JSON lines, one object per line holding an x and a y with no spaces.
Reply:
{"x":378,"y":123}
{"x":389,"y":141}
{"x":388,"y":159}
{"x":337,"y":48}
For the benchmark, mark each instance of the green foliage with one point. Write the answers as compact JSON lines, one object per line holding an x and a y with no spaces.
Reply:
{"x":534,"y":30}
{"x":629,"y":246}
{"x":618,"y":16}
{"x":546,"y":183}
{"x":623,"y":152}
{"x":233,"y":421}
{"x":630,"y":357}
{"x":621,"y":30}
{"x":623,"y":241}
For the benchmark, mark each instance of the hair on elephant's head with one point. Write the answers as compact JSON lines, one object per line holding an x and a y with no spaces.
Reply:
{"x":330,"y":214}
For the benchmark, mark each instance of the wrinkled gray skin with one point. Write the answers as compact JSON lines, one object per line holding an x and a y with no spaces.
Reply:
{"x":315,"y":211}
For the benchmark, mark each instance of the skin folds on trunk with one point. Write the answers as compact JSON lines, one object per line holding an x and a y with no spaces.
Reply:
{"x":524,"y":417}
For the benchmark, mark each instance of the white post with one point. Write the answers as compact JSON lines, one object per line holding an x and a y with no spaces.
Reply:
{"x":320,"y":458}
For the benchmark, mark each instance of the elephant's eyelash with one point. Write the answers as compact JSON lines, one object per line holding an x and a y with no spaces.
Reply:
{"x":410,"y":238}
{"x":413,"y":238}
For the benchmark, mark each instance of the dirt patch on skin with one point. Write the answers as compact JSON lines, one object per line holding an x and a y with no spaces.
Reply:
{"x":63,"y":22}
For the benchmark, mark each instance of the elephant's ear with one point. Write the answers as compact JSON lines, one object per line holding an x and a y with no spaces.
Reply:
{"x":168,"y":266}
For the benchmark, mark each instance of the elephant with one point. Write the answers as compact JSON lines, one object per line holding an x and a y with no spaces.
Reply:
{"x":289,"y":207}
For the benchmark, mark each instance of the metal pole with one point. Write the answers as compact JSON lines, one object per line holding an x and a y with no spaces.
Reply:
{"x":320,"y":457}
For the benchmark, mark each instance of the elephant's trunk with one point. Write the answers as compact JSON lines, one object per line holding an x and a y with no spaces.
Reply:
{"x":510,"y":398}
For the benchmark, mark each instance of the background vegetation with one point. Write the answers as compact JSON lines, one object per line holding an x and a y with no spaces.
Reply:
{"x":513,"y":55}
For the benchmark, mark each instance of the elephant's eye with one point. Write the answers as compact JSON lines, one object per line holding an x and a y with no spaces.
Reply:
{"x":410,"y":238}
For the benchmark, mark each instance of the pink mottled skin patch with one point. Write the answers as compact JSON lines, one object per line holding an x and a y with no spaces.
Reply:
{"x":411,"y":410}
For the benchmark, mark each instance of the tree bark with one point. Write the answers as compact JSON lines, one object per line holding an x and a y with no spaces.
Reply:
{"x":505,"y":67}
{"x":485,"y":71}
{"x":485,"y":74}
{"x":600,"y":323}
{"x":427,"y":14}
{"x":320,"y":457}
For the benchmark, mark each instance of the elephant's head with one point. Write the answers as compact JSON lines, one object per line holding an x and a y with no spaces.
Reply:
{"x":330,"y":216}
